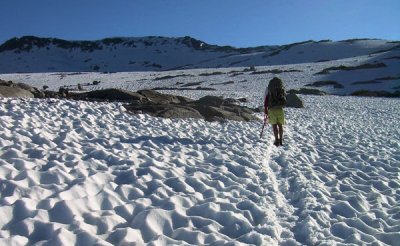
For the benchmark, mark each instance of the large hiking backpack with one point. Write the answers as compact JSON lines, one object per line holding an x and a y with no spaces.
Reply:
{"x":276,"y":93}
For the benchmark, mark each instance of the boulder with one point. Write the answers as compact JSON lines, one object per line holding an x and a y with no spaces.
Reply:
{"x":111,"y":95}
{"x":210,"y":108}
{"x":293,"y":101}
{"x":24,"y":86}
{"x":214,"y":101}
{"x":35,"y":91}
{"x":184,"y":99}
{"x":211,"y":113}
{"x":158,"y":98}
{"x":8,"y":91}
{"x":51,"y":94}
{"x":231,"y":101}
{"x":179,"y":112}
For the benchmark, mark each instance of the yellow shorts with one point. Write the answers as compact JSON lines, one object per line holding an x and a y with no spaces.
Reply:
{"x":276,"y":116}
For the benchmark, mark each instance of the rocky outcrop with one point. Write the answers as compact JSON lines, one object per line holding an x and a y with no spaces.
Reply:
{"x":210,"y":108}
{"x":7,"y":91}
{"x":109,"y":95}
{"x":10,"y":89}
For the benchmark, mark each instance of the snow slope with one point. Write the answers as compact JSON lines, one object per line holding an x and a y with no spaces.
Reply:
{"x":89,"y":173}
{"x":33,"y":54}
{"x":375,"y":72}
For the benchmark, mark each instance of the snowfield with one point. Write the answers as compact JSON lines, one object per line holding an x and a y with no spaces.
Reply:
{"x":91,"y":174}
{"x":85,"y":173}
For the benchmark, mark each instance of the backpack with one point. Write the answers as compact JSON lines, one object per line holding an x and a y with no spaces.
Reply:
{"x":276,"y":93}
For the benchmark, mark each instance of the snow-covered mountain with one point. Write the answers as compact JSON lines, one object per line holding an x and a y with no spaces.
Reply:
{"x":33,"y":54}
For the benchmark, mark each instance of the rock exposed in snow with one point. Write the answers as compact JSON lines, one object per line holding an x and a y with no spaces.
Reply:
{"x":10,"y":89}
{"x":210,"y":108}
{"x":293,"y":101}
{"x":109,"y":94}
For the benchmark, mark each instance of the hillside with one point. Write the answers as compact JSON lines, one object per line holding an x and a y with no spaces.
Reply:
{"x":31,"y":54}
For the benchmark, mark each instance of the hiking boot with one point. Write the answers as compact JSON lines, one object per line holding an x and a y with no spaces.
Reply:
{"x":280,"y":142}
{"x":276,"y":143}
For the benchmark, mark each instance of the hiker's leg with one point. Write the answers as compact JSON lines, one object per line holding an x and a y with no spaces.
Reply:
{"x":276,"y":133}
{"x":280,"y":126}
{"x":281,"y":122}
{"x":280,"y":130}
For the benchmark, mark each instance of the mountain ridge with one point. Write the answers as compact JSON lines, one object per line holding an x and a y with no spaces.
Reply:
{"x":157,"y":53}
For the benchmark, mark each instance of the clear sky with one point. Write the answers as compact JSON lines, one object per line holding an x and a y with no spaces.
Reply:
{"x":240,"y":23}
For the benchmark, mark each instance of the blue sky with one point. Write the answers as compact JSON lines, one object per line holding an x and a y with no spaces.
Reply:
{"x":240,"y":23}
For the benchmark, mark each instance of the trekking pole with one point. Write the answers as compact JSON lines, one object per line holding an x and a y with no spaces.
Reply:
{"x":265,"y":122}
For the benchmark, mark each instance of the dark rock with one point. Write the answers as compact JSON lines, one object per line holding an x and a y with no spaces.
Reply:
{"x":51,"y":94}
{"x":211,"y":113}
{"x":64,"y":92}
{"x":111,"y":95}
{"x":293,"y":101}
{"x":235,"y":101}
{"x":231,"y":101}
{"x":184,"y":99}
{"x":237,"y":109}
{"x":39,"y":94}
{"x":308,"y":91}
{"x":211,"y":101}
{"x":156,"y":97}
{"x":326,"y":83}
{"x":210,"y":108}
{"x":5,"y":83}
{"x":180,"y":112}
{"x":367,"y":93}
{"x":151,"y":109}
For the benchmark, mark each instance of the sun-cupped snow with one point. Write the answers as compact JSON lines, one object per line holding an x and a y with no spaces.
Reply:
{"x":89,"y":173}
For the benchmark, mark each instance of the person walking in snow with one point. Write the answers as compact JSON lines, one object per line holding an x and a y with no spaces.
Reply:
{"x":274,"y":102}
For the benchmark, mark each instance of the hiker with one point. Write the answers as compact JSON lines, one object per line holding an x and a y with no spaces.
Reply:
{"x":274,"y":102}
